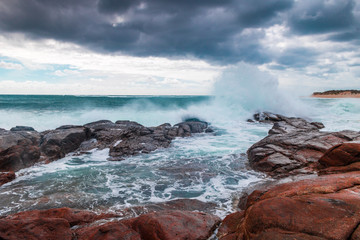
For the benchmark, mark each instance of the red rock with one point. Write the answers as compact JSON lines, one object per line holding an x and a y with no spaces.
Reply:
{"x":6,"y":177}
{"x":341,"y":155}
{"x":356,"y":234}
{"x":108,"y":231}
{"x":73,"y":216}
{"x":35,"y":229}
{"x":343,"y":169}
{"x":230,"y":225}
{"x":170,"y":225}
{"x":327,"y":207}
{"x":285,"y":235}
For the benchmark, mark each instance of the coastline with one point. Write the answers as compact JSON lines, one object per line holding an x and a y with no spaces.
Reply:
{"x":321,"y":172}
{"x":335,"y":95}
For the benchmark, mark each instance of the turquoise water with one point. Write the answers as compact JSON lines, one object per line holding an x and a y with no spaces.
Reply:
{"x":207,"y":167}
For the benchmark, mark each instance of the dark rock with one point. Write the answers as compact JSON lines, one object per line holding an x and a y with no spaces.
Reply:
{"x":293,"y":146}
{"x":61,"y":141}
{"x":19,"y":149}
{"x":6,"y":177}
{"x":135,"y":138}
{"x":22,"y":128}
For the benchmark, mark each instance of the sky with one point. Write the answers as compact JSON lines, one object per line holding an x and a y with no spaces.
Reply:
{"x":175,"y":47}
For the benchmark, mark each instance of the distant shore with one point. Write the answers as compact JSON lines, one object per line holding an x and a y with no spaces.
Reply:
{"x":337,"y":94}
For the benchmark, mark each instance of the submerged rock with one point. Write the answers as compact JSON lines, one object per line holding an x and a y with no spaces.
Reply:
{"x":22,"y":128}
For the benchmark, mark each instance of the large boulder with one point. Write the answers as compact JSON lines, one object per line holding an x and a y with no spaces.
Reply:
{"x":294,"y":146}
{"x":326,"y":207}
{"x":57,"y":143}
{"x":18,"y":149}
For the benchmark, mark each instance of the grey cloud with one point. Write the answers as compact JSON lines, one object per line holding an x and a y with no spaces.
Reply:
{"x":319,"y":16}
{"x":298,"y":57}
{"x":218,"y":31}
{"x":207,"y":29}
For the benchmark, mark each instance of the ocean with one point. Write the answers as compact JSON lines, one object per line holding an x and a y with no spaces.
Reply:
{"x":207,"y":167}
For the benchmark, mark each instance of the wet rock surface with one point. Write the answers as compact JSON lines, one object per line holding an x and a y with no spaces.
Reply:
{"x":294,"y":146}
{"x":320,"y":207}
{"x":55,"y":144}
{"x":18,"y":149}
{"x":23,"y":146}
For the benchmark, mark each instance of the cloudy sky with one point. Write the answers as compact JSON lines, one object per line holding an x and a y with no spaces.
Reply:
{"x":175,"y":47}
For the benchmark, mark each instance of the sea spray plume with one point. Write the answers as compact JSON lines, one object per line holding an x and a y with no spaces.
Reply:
{"x":244,"y":88}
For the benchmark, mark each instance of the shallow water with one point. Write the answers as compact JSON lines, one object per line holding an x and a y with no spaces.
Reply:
{"x":207,"y":167}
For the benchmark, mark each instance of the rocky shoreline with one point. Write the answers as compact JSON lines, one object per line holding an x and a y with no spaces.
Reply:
{"x":320,"y":199}
{"x":22,"y":147}
{"x":337,"y":94}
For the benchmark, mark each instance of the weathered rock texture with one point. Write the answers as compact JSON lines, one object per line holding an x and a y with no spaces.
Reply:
{"x":65,"y":223}
{"x":326,"y":207}
{"x":23,"y":146}
{"x":18,"y":149}
{"x":6,"y":177}
{"x":340,"y":158}
{"x":293,"y":146}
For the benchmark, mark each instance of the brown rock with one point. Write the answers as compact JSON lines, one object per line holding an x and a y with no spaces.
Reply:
{"x":356,"y":234}
{"x":108,"y":231}
{"x":35,"y":229}
{"x":341,"y":155}
{"x":327,"y":207}
{"x":6,"y":177}
{"x":230,"y":226}
{"x":72,"y":216}
{"x":169,"y":225}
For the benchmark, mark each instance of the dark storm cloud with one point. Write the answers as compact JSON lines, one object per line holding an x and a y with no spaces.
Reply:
{"x":207,"y":29}
{"x":319,"y":16}
{"x":222,"y":31}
